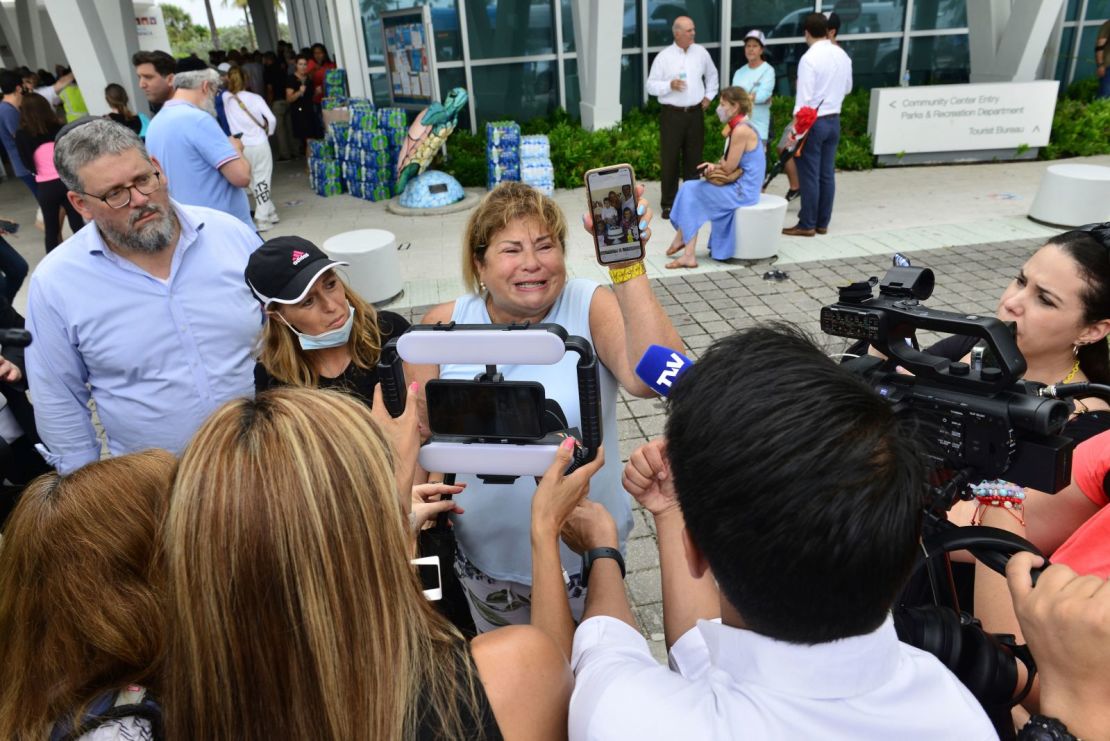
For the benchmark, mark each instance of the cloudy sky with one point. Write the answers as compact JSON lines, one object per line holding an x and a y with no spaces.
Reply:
{"x":225,"y":16}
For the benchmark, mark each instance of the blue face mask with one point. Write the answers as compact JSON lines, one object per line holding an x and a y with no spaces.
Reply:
{"x":334,"y":338}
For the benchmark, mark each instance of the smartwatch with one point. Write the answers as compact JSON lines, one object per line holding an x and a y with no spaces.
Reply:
{"x":1044,"y":728}
{"x":594,"y":554}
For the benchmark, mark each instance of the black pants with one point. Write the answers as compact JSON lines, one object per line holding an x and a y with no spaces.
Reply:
{"x":51,"y":197}
{"x":681,"y":132}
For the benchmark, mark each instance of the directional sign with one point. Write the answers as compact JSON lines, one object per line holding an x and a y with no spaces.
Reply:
{"x":956,"y":118}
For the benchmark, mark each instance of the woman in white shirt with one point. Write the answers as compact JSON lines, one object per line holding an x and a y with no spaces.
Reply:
{"x":248,"y":114}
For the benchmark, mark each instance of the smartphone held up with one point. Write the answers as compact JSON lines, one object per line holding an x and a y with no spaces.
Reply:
{"x":611,"y":201}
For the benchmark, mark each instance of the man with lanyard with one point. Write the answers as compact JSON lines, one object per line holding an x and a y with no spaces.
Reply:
{"x":824,"y":79}
{"x":685,"y":81}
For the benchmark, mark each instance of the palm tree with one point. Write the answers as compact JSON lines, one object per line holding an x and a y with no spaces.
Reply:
{"x":244,"y":4}
{"x":212,"y":25}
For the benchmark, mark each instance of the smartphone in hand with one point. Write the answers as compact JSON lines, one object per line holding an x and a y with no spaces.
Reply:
{"x":611,"y":200}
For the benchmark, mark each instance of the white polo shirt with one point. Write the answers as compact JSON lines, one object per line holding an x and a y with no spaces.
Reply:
{"x":733,"y":683}
{"x":824,"y":78}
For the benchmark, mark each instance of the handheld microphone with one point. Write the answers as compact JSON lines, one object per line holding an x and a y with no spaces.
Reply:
{"x":660,"y":367}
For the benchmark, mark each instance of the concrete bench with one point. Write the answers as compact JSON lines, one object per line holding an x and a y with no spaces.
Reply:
{"x":1073,"y":195}
{"x":759,"y":228}
{"x":375,"y":271}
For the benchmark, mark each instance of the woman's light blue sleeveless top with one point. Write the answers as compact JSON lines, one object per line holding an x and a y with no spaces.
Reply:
{"x":494,"y":533}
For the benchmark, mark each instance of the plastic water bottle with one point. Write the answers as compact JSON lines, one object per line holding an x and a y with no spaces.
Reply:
{"x":906,"y":78}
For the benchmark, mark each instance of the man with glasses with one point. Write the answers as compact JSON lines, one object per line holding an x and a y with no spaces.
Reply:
{"x":145,"y":310}
{"x":205,"y":166}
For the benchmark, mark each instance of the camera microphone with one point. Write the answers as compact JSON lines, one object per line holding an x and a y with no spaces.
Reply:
{"x":660,"y":367}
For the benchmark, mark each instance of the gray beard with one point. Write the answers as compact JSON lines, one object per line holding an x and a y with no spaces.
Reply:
{"x":151,"y":238}
{"x":209,"y":106}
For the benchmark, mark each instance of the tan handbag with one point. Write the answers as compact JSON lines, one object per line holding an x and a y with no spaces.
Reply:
{"x":719,"y":178}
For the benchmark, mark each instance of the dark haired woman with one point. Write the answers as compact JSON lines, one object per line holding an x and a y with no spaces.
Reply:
{"x":38,"y":125}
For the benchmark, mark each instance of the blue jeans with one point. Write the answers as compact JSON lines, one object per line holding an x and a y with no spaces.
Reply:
{"x":817,"y":172}
{"x":13,"y":269}
{"x":1104,"y":83}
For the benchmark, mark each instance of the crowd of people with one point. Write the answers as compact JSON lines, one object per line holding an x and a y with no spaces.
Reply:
{"x":240,"y":565}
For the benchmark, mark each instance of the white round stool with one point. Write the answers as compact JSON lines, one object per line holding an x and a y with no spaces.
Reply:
{"x":375,"y":271}
{"x":1073,"y":195}
{"x":759,"y":227}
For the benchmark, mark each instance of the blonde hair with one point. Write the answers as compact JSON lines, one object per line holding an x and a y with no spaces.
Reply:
{"x":235,"y":81}
{"x":81,"y":590}
{"x":507,"y":202}
{"x":295,"y":612}
{"x":280,"y":352}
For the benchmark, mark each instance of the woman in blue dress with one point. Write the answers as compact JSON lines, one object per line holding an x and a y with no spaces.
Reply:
{"x":699,"y":201}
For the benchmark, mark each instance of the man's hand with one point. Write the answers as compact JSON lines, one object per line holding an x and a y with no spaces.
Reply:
{"x":589,"y":526}
{"x":1100,"y":71}
{"x":647,"y":477}
{"x":236,"y":143}
{"x":705,"y":103}
{"x":1066,"y":622}
{"x":678,"y":84}
{"x":9,"y":371}
{"x":403,"y":434}
{"x":558,"y":495}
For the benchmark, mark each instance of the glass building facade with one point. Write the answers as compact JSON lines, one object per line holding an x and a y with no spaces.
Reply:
{"x":518,"y":57}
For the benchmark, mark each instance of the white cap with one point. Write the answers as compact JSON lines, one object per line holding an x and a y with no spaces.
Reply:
{"x":756,"y":34}
{"x":223,"y":67}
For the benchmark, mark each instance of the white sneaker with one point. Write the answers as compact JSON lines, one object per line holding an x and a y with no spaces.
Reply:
{"x":263,"y":226}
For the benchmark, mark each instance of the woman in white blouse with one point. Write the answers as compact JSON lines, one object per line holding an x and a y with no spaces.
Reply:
{"x":248,"y":115}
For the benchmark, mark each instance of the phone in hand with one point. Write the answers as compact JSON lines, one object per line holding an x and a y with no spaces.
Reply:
{"x":8,"y":227}
{"x":239,"y":135}
{"x":431,"y":581}
{"x":611,"y":200}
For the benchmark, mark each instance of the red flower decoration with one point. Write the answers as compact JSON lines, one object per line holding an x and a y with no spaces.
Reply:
{"x":803,"y":119}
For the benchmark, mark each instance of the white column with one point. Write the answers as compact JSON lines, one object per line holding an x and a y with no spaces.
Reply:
{"x":1008,"y":38}
{"x":265,"y":24}
{"x":30,"y":33}
{"x":97,"y":44}
{"x":9,"y":37}
{"x":598,"y":57}
{"x":350,"y":49}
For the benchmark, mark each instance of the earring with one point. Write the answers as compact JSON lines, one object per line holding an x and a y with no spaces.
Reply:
{"x":1075,"y":348}
{"x":481,"y":287}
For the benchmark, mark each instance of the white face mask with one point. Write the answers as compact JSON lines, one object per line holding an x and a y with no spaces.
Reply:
{"x":334,"y":338}
{"x":722,"y":113}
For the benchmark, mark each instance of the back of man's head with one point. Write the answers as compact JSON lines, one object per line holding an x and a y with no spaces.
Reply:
{"x":9,"y":82}
{"x":163,"y":63}
{"x":797,"y":485}
{"x":816,"y":25}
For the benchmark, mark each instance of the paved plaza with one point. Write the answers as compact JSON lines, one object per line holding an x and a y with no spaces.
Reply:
{"x":967,"y":223}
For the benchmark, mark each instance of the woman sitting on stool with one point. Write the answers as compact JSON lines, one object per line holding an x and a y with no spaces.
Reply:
{"x":699,"y":201}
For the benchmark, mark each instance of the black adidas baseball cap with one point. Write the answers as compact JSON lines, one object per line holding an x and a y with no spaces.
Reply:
{"x":284,"y":269}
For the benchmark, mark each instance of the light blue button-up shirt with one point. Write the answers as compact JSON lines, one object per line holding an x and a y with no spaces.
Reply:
{"x":157,"y":356}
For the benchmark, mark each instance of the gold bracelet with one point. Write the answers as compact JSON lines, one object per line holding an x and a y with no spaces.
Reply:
{"x":621,"y":275}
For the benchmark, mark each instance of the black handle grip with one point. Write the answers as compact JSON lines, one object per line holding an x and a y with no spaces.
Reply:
{"x":15,"y":337}
{"x":589,"y":401}
{"x":391,"y":376}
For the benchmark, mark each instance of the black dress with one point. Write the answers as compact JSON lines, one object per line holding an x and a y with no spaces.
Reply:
{"x":302,"y":113}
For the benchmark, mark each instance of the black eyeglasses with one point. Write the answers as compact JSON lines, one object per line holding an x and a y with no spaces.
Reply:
{"x":120,"y":197}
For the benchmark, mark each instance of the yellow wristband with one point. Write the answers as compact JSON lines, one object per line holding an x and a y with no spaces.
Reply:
{"x":621,"y":275}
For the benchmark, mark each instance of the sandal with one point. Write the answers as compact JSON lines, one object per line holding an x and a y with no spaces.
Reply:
{"x":675,"y":264}
{"x":672,"y":250}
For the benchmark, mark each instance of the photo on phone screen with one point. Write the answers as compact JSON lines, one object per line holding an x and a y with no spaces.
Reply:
{"x":611,"y":192}
{"x":430,"y":580}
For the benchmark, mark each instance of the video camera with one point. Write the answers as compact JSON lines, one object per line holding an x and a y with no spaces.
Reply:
{"x":978,"y":420}
{"x":977,"y":417}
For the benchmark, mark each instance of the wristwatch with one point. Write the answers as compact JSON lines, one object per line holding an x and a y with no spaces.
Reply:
{"x":594,"y":554}
{"x":1044,"y":728}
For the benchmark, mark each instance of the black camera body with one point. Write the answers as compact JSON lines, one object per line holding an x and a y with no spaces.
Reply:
{"x":977,"y":418}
